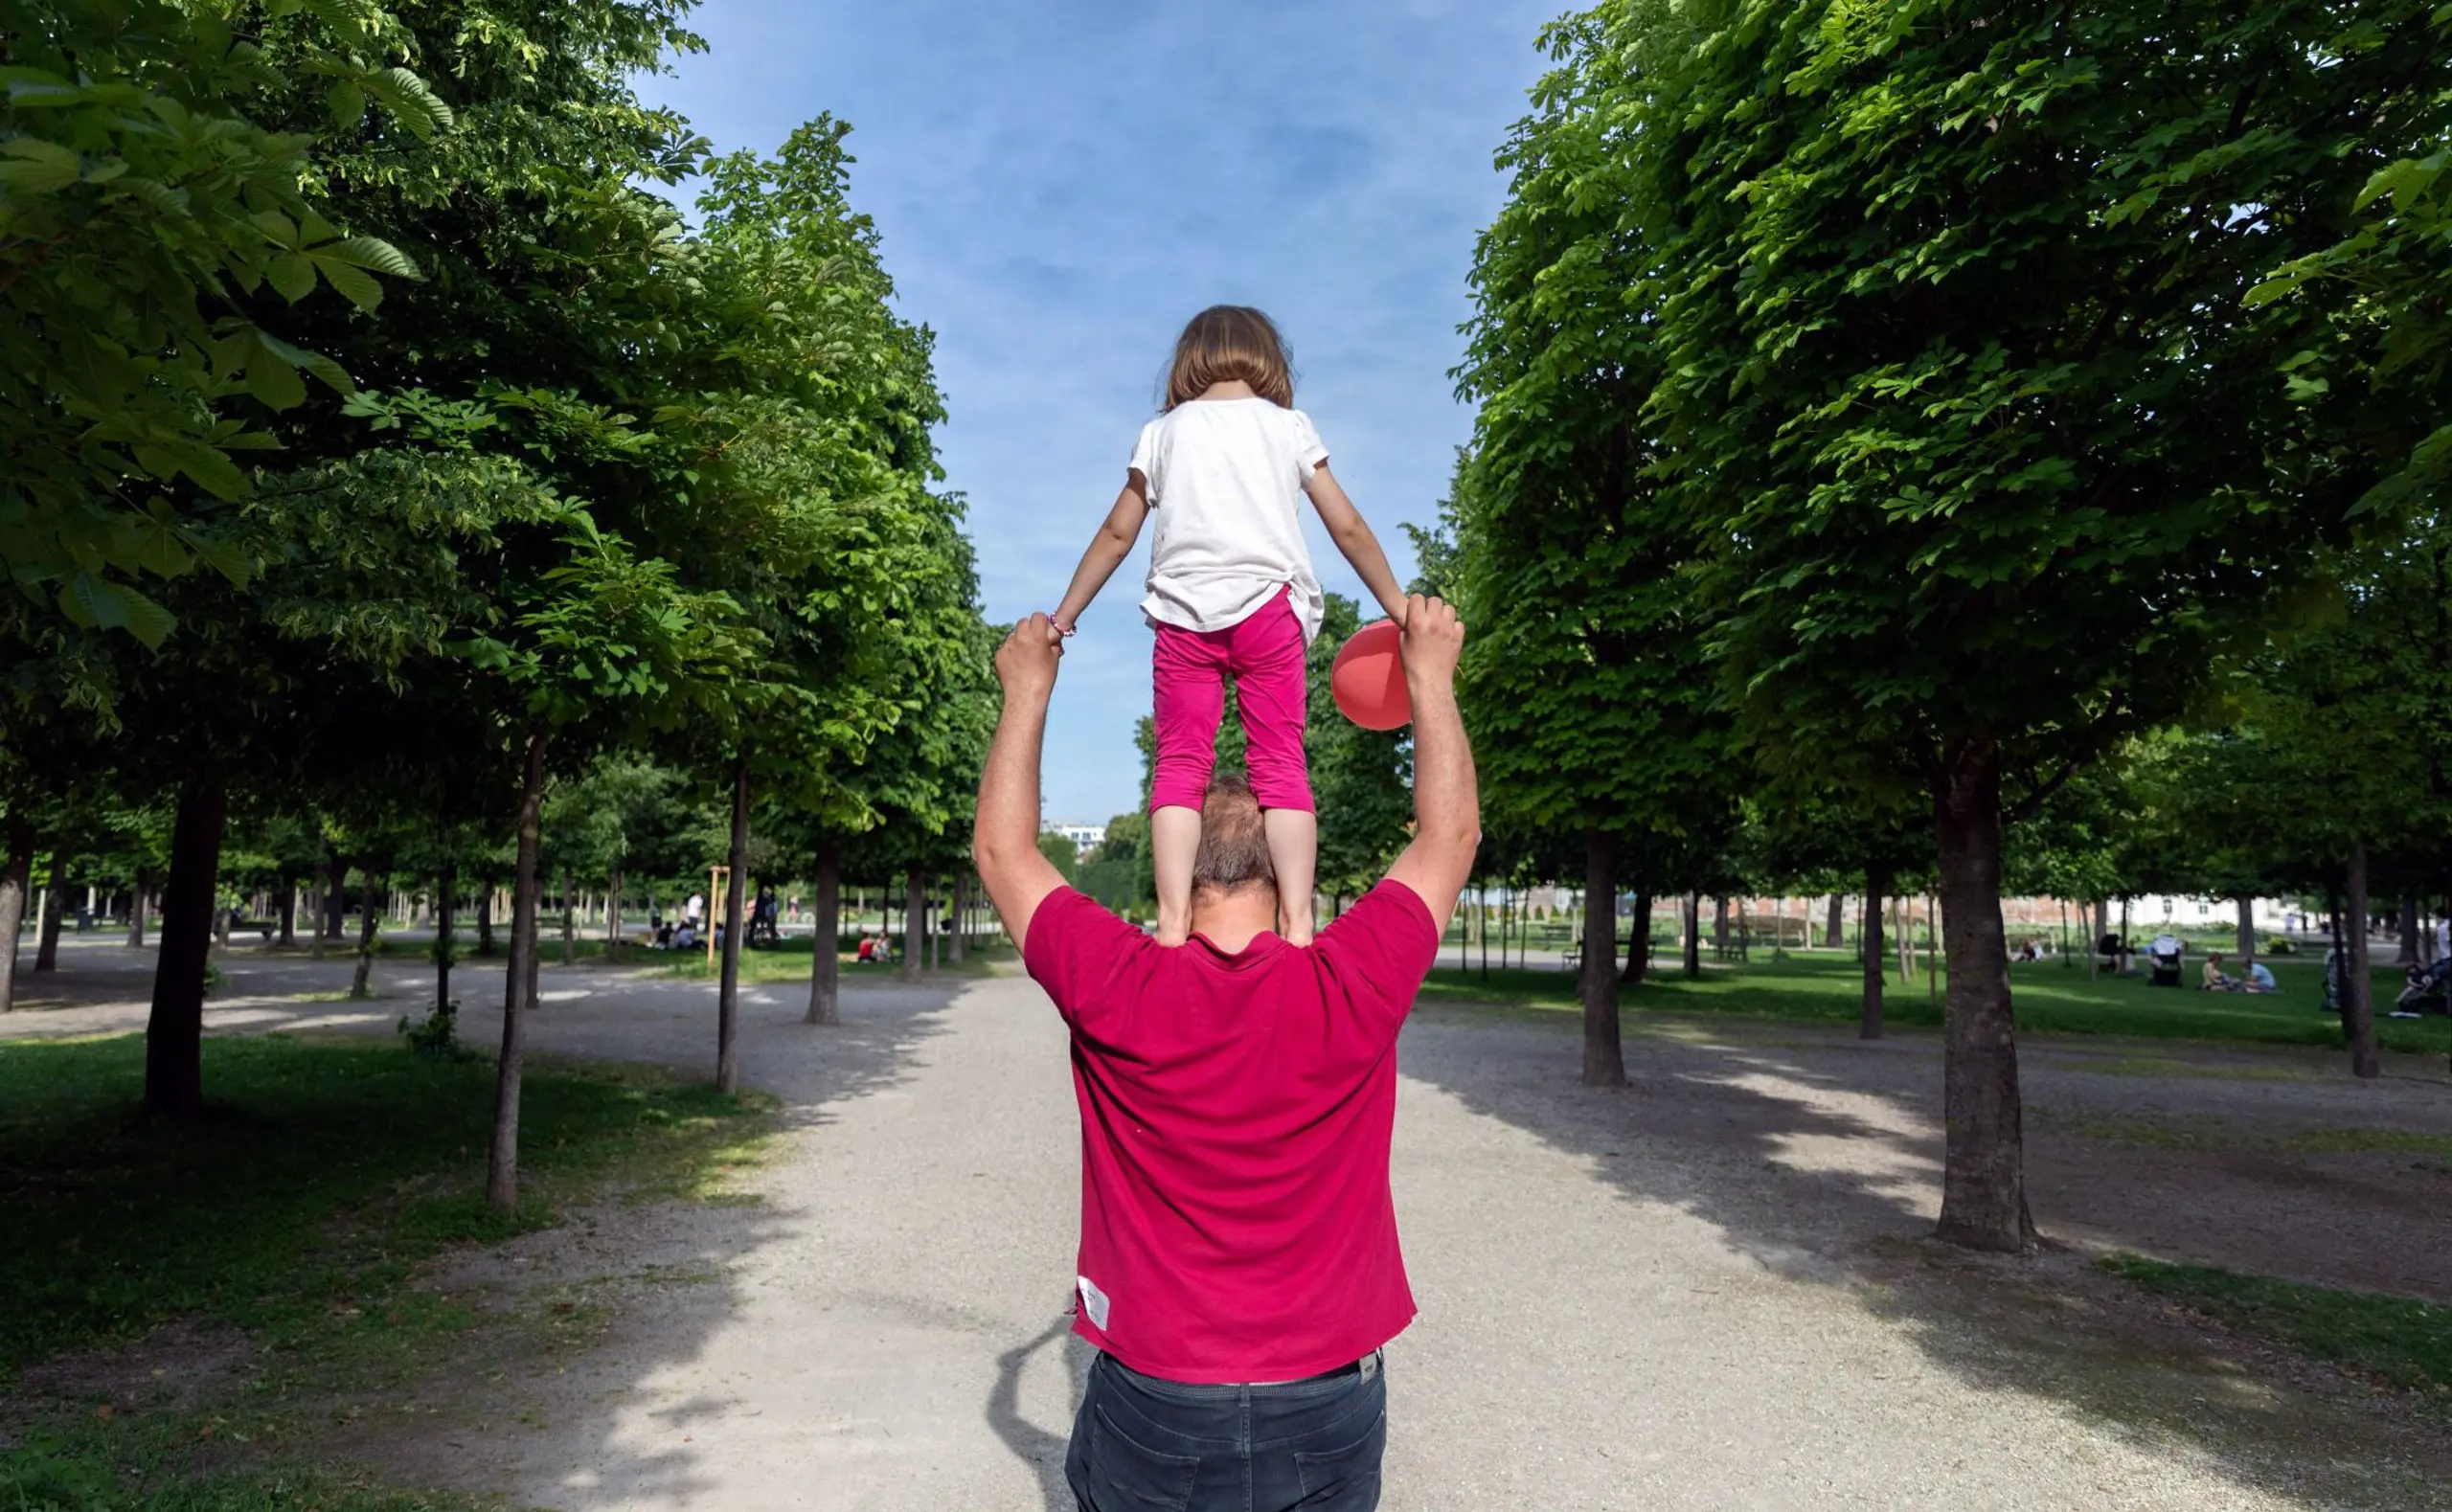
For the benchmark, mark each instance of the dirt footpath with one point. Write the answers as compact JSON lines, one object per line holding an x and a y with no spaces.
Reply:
{"x":1708,"y":1291}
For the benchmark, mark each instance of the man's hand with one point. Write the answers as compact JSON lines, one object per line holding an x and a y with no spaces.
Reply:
{"x":1026,"y":662}
{"x":1433,"y":638}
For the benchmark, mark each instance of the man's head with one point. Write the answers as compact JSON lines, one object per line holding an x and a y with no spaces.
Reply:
{"x":1233,"y":858}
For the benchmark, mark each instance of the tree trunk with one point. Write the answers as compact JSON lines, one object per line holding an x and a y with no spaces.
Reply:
{"x":360,"y":984}
{"x":1834,"y":923}
{"x":502,"y":1160}
{"x":336,"y":899}
{"x":174,"y":1033}
{"x":1984,"y":1194}
{"x":1876,"y":962}
{"x":1604,"y":1061}
{"x":486,"y":916}
{"x":915,"y":922}
{"x":570,"y":919}
{"x":1638,"y":943}
{"x":613,"y":914}
{"x":136,"y":910}
{"x":728,"y":995}
{"x":315,"y":896}
{"x":1693,"y":936}
{"x":288,"y":936}
{"x":825,"y":969}
{"x":962,"y":909}
{"x":445,"y":887}
{"x":55,"y":898}
{"x":16,"y":875}
{"x":1719,"y":926}
{"x":2408,"y":954}
{"x":2359,"y":1002}
{"x":2247,"y":934}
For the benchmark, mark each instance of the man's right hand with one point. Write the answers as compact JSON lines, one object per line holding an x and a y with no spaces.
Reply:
{"x":1433,"y":638}
{"x":1026,"y":662}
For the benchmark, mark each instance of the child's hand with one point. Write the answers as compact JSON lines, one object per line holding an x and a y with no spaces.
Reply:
{"x":1054,"y":633}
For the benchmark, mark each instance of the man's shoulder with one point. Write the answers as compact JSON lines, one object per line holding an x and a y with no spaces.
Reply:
{"x":1391,"y":919}
{"x":1069,"y":921}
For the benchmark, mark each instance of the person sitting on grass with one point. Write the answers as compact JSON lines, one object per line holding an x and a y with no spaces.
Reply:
{"x":2214,"y":981}
{"x":2259,"y":978}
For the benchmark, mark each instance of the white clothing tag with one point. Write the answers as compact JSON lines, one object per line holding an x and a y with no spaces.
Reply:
{"x":1094,"y":1302}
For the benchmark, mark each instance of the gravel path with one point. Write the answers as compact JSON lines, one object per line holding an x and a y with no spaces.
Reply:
{"x":1708,"y":1292}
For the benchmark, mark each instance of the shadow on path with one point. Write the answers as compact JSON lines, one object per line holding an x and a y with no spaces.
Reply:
{"x":1819,"y":1159}
{"x":1033,"y":1445}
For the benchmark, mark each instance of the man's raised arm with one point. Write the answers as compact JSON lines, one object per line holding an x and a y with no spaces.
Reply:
{"x":1447,"y":807}
{"x":1005,"y":838}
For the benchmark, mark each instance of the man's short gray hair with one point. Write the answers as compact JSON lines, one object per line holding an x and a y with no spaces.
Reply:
{"x":1233,"y":842}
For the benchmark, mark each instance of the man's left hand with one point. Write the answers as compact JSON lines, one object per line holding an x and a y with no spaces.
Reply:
{"x":1026,"y":662}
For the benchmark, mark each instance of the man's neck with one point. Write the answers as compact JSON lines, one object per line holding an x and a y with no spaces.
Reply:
{"x":1232,"y":921}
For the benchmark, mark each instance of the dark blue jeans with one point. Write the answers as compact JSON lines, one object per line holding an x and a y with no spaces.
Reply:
{"x":1140,"y":1443}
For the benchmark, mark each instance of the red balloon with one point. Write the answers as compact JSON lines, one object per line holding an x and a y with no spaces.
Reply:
{"x":1368,"y":679}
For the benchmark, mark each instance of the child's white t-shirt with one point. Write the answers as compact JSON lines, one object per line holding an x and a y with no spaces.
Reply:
{"x":1226,"y":482}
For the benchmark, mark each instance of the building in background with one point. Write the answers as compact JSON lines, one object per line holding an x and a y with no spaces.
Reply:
{"x":1085,"y":838}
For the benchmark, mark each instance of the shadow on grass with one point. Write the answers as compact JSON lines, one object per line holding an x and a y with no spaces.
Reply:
{"x":1819,"y":1158}
{"x":293,"y":1235}
{"x":2050,"y":997}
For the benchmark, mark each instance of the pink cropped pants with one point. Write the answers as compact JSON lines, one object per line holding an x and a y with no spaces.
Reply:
{"x":1265,"y":654}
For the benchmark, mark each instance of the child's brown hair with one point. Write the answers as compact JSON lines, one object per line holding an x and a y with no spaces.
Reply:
{"x":1226,"y":342}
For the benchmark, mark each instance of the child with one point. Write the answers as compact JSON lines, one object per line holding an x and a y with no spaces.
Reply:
{"x":1224,"y":465}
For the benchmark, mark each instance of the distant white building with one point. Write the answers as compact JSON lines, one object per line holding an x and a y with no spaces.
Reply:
{"x":1085,"y":838}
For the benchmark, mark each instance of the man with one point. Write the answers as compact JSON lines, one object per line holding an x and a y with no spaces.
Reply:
{"x":1238,"y":1267}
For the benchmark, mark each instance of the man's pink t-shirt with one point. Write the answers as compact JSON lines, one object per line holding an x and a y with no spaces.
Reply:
{"x":1236,"y":1114}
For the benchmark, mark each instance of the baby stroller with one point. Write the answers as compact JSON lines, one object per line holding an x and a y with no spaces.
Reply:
{"x":2429,"y":990}
{"x":2164,"y":956}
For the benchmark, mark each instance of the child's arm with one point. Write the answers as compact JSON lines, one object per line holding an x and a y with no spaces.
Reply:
{"x":1353,"y":535}
{"x":1107,"y":550}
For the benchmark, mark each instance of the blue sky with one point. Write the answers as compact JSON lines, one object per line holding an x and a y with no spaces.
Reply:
{"x":1060,"y":186}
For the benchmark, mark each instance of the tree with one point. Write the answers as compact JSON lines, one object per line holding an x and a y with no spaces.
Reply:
{"x":1582,"y":680}
{"x":1061,"y":854}
{"x":1988,"y":465}
{"x":147,"y":208}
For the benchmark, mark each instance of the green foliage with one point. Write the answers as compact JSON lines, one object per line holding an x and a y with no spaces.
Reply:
{"x":1061,"y":854}
{"x":1928,"y":315}
{"x":1582,"y":680}
{"x":2399,"y":1341}
{"x":145,"y":208}
{"x":437,"y":1036}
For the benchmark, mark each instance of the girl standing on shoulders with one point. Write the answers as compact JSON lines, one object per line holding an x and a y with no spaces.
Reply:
{"x":1225,"y":467}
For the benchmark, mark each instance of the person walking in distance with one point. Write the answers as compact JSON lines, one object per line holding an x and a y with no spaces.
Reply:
{"x":1238,"y":1270}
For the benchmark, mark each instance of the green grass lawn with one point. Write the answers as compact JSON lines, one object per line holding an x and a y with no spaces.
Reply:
{"x":2048,"y":997}
{"x":297,"y":1212}
{"x":323,"y":1170}
{"x":2396,"y":1340}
